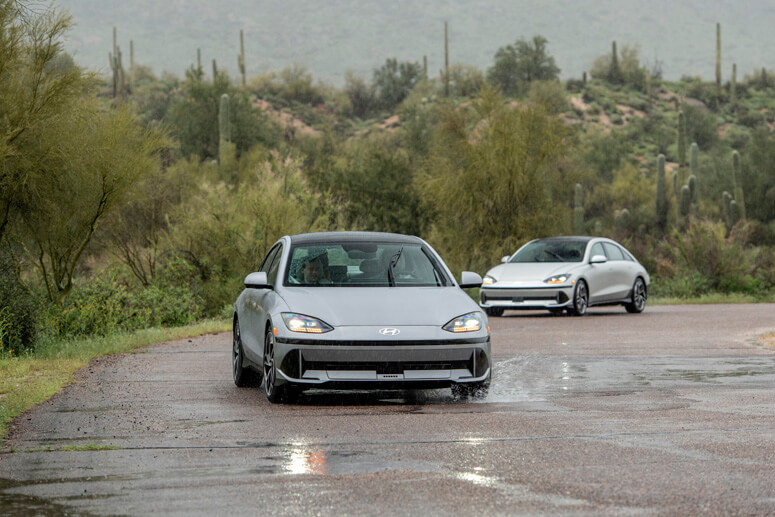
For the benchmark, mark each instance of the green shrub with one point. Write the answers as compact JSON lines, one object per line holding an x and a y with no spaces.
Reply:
{"x":18,"y":310}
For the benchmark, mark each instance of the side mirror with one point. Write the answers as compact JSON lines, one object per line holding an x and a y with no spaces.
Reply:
{"x":505,"y":259}
{"x":469,"y":279}
{"x":598,"y":259}
{"x":257,"y":281}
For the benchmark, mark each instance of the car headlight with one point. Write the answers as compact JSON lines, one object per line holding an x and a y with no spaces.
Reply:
{"x":302,"y":323}
{"x":470,"y":322}
{"x":557,"y":279}
{"x":488,"y":280}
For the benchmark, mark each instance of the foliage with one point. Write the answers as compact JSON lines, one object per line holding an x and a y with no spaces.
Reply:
{"x":18,"y":310}
{"x":193,"y":117}
{"x":292,"y":84}
{"x":89,"y":162}
{"x":492,"y":178}
{"x":758,"y":178}
{"x":521,"y":63}
{"x":628,"y":68}
{"x":37,"y":87}
{"x":393,"y":81}
{"x":465,"y":80}
{"x":361,"y":96}
{"x":374,"y":186}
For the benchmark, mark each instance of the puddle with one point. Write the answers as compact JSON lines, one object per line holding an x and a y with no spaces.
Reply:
{"x":23,"y":505}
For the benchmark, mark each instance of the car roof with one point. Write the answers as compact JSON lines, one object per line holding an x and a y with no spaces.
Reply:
{"x":349,"y":236}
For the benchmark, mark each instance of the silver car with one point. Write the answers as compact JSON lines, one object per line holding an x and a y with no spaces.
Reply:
{"x":358,"y":310}
{"x":566,"y":273}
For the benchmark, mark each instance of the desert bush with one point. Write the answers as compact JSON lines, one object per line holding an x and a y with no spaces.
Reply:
{"x":18,"y":310}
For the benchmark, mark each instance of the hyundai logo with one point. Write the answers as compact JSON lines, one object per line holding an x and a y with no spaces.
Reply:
{"x":389,"y":332}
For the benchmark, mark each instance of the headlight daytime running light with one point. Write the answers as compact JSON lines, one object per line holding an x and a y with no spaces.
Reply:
{"x":558,"y":279}
{"x":307,"y":324}
{"x":470,"y":322}
{"x":488,"y":280}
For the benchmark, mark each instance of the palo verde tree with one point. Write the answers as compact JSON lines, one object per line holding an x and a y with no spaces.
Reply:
{"x":393,"y":81}
{"x":37,"y":84}
{"x":494,"y":178}
{"x":90,"y":161}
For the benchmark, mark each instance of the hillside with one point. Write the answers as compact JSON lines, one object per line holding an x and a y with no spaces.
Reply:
{"x":333,"y":37}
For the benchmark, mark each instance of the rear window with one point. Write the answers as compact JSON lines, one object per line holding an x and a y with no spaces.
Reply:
{"x":363,"y":264}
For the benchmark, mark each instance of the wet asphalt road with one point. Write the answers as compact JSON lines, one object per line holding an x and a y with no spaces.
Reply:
{"x":665,"y":413}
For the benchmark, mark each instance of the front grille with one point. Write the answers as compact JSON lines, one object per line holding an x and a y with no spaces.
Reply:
{"x":385,"y":368}
{"x":336,"y":343}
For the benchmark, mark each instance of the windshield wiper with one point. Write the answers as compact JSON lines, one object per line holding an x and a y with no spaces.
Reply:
{"x":393,"y":261}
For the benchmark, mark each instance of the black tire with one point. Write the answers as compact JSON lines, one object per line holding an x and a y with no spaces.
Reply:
{"x":274,"y":393}
{"x":494,"y":311}
{"x":638,"y":302}
{"x":580,"y":299}
{"x":477,"y":390}
{"x":244,"y":376}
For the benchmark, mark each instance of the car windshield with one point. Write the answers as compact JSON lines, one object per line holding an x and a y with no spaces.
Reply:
{"x":551,"y":251}
{"x":363,"y":264}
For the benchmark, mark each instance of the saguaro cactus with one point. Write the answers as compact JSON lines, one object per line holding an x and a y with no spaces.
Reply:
{"x":737,"y":182}
{"x":693,"y":189}
{"x":733,"y":85}
{"x":681,"y":141}
{"x":578,"y":210}
{"x":131,"y":65}
{"x":661,"y":193}
{"x":115,"y":65}
{"x":726,"y":199}
{"x":718,"y":60}
{"x":446,"y":61}
{"x":614,"y":73}
{"x":241,"y":57}
{"x":215,"y":71}
{"x":224,"y":131}
{"x":694,"y":159}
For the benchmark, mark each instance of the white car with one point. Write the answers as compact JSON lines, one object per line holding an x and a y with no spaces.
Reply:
{"x":566,"y":274}
{"x":359,"y":310}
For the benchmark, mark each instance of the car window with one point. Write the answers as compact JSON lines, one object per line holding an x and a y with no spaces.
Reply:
{"x":597,"y":249}
{"x":613,"y":251}
{"x":363,"y":264}
{"x":551,"y":251}
{"x":272,"y":274}
{"x":268,"y":259}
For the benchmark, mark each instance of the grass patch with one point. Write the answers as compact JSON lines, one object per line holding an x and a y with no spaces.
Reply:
{"x":767,"y":340}
{"x":29,"y":380}
{"x":713,"y":298}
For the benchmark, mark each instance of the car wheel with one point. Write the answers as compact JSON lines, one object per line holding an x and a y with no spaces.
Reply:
{"x":274,"y":393}
{"x":580,"y":299}
{"x":243,"y":376}
{"x":494,"y":311}
{"x":638,"y":302}
{"x":468,"y":390}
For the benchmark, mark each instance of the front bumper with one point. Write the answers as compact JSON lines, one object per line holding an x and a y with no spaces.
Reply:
{"x":554,"y":297}
{"x":382,"y":364}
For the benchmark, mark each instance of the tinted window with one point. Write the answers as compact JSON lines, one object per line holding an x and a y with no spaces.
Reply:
{"x":272,"y":274}
{"x":597,"y":249}
{"x":362,"y":264}
{"x":613,"y":251}
{"x":551,"y":251}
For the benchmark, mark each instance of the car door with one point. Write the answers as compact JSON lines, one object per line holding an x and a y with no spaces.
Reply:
{"x":253,"y":310}
{"x":598,"y":276}
{"x":621,"y":278}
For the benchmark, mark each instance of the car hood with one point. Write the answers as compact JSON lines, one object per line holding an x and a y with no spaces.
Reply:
{"x":531,"y":271}
{"x":378,"y":306}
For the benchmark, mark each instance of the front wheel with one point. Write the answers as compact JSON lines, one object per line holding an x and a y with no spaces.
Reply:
{"x":580,"y":299}
{"x":274,"y":393}
{"x":638,"y":302}
{"x":243,"y":375}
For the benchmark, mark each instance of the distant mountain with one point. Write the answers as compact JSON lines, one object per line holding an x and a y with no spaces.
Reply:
{"x":331,"y":37}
